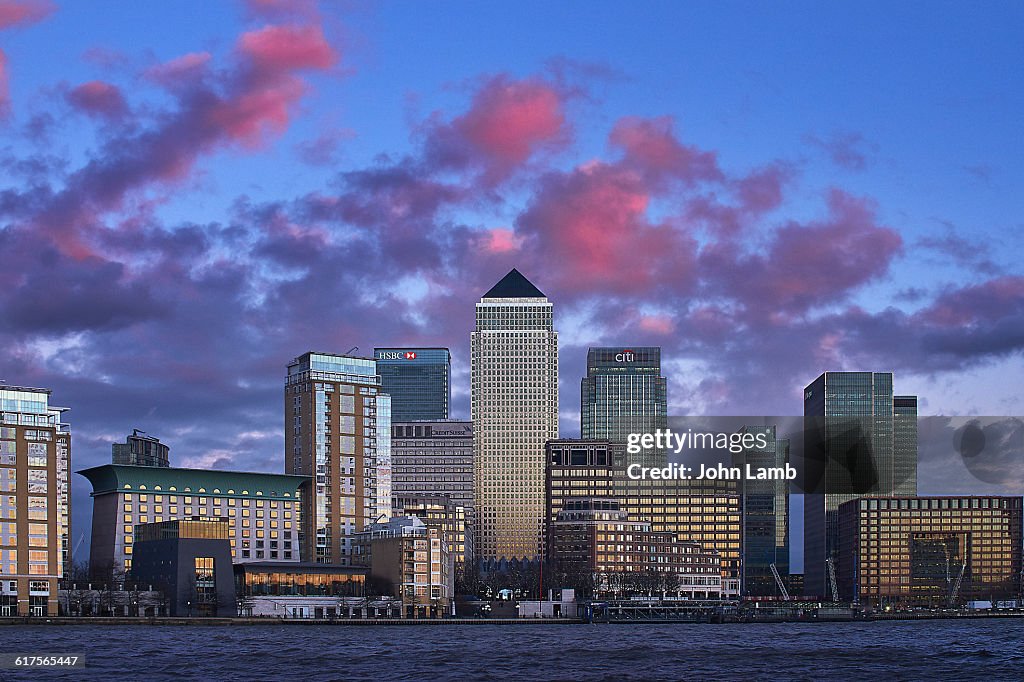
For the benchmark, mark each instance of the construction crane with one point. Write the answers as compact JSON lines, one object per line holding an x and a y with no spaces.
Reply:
{"x":778,"y":581}
{"x":832,"y":578}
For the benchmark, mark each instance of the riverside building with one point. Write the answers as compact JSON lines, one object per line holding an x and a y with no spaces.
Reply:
{"x":765,"y":515}
{"x":930,"y":551}
{"x":515,"y":411}
{"x":859,"y":440}
{"x":262,"y":512}
{"x":331,"y":435}
{"x":594,"y":537}
{"x":708,"y":512}
{"x":35,"y":501}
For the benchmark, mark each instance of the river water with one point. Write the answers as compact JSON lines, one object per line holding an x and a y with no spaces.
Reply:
{"x":985,"y":649}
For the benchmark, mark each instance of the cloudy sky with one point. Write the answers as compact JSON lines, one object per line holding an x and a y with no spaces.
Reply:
{"x":193,"y":193}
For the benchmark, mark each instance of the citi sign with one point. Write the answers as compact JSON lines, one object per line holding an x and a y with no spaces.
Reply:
{"x":396,"y":355}
{"x":625,"y":356}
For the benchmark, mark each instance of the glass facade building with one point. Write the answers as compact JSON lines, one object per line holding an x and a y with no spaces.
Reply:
{"x":856,"y":443}
{"x":331,"y":435}
{"x":765,"y":515}
{"x":514,"y":400}
{"x":418,"y":381}
{"x":624,"y":393}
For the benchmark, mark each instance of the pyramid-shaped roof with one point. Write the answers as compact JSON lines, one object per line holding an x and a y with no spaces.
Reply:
{"x":514,"y":285}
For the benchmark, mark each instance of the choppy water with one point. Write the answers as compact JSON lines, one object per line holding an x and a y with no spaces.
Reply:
{"x":938,"y":650}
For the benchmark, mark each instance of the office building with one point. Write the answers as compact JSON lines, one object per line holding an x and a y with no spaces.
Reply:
{"x":708,"y":512}
{"x":35,"y":501}
{"x":331,"y":435}
{"x":856,"y":443}
{"x":515,"y":411}
{"x":140,"y":449}
{"x":433,"y":458}
{"x":445,"y":514}
{"x":190,"y":562}
{"x":597,"y":543}
{"x":624,"y":393}
{"x":413,"y":560}
{"x":418,"y":381}
{"x":930,"y":551}
{"x":765,"y":515}
{"x":262,"y":511}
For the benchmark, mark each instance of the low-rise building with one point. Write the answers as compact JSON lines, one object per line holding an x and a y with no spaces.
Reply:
{"x":410,"y":560}
{"x":593,"y":539}
{"x":307,"y":590}
{"x":929,"y":551}
{"x":190,"y":562}
{"x":444,"y":513}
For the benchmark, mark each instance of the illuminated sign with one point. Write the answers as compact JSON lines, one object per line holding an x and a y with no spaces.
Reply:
{"x":625,"y":356}
{"x":396,"y":355}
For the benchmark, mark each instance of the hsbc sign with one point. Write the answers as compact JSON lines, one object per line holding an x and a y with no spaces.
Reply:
{"x":396,"y":355}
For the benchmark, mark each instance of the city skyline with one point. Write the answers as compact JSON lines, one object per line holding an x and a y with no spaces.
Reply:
{"x":162,"y":267}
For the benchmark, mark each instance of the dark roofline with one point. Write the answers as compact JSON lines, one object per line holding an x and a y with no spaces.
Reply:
{"x":514,"y":285}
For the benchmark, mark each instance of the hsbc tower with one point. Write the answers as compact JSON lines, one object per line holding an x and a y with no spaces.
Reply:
{"x":418,"y":380}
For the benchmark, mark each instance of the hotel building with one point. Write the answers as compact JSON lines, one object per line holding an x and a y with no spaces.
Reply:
{"x":261,"y":511}
{"x":859,"y":440}
{"x":624,"y":393}
{"x":515,"y":411}
{"x":930,"y":551}
{"x":418,"y":381}
{"x":35,"y":501}
{"x":331,"y":435}
{"x":706,"y":512}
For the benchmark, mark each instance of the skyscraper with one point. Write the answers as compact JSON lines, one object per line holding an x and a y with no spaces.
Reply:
{"x":418,"y":381}
{"x":515,"y":411}
{"x":851,"y":450}
{"x":331,"y":434}
{"x":35,"y":501}
{"x":624,"y":393}
{"x":765,"y":514}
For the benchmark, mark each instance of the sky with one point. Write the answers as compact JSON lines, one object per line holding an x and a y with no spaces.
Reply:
{"x":194,"y":193}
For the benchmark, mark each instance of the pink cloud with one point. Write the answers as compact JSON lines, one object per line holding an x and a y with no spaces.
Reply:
{"x":975,"y":304}
{"x":650,"y":145}
{"x":807,"y":265}
{"x":280,"y":49}
{"x":508,"y":123}
{"x":4,"y":96}
{"x":98,"y":98}
{"x":657,"y":324}
{"x":501,"y":240}
{"x":23,"y":12}
{"x":590,"y":227}
{"x":184,"y":69}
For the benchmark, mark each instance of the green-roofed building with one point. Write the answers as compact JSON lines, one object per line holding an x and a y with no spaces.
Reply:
{"x":262,"y":510}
